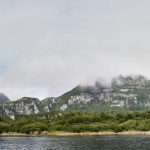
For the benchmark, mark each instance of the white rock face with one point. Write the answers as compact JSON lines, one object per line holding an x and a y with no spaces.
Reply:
{"x":124,"y":90}
{"x":64,"y":107}
{"x":83,"y":98}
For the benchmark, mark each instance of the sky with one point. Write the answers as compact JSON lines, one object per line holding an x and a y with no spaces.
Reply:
{"x":47,"y":47}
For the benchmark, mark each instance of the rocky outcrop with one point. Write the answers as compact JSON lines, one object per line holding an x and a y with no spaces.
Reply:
{"x":49,"y":104}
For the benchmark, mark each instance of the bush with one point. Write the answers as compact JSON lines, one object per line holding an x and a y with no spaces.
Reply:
{"x":117,"y":128}
{"x":129,"y":125}
{"x":4,"y":127}
{"x":144,"y":125}
{"x":37,"y":126}
{"x":83,"y":128}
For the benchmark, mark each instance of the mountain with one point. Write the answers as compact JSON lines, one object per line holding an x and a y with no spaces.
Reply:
{"x":25,"y":105}
{"x":125,"y":93}
{"x":129,"y":93}
{"x":3,"y":99}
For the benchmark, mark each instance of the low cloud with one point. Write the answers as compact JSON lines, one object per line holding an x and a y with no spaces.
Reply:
{"x":49,"y":47}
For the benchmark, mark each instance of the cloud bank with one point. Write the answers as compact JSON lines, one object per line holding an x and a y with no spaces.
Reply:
{"x":48,"y":47}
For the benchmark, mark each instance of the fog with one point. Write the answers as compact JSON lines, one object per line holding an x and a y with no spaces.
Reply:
{"x":49,"y":47}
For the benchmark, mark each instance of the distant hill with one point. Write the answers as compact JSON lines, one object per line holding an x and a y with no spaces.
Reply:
{"x":3,"y":99}
{"x":125,"y":93}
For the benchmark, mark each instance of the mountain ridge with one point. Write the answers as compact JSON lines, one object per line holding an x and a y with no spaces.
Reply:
{"x":126,"y":93}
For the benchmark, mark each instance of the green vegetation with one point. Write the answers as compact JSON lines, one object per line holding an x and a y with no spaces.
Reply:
{"x":77,"y":122}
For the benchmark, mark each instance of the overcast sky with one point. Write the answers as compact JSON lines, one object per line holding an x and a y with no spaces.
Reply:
{"x":49,"y":46}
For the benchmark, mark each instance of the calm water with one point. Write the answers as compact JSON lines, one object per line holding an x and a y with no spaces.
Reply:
{"x":75,"y":143}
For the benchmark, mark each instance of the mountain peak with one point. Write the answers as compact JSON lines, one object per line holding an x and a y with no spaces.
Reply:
{"x":3,"y":98}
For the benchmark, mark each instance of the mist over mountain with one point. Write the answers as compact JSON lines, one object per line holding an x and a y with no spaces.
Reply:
{"x":125,"y":93}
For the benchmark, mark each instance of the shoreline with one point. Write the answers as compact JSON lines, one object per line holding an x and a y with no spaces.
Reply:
{"x":105,"y":133}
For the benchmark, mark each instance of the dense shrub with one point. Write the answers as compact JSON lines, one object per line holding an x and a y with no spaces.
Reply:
{"x":37,"y":126}
{"x":4,"y":127}
{"x":129,"y":125}
{"x":117,"y":128}
{"x":144,"y":125}
{"x":78,"y":122}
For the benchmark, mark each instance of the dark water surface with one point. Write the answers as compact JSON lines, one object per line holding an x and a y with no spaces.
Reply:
{"x":75,"y":143}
